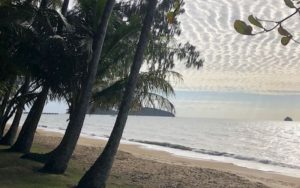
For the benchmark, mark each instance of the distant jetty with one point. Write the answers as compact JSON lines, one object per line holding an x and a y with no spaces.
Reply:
{"x":288,"y":119}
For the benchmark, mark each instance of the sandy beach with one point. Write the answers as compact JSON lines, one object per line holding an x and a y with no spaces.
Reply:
{"x":152,"y":168}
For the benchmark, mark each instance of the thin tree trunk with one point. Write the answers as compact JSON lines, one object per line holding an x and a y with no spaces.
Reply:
{"x":64,"y":7}
{"x":59,"y":159}
{"x":10,"y":136}
{"x":9,"y":111}
{"x":7,"y":95}
{"x":63,"y":11}
{"x":25,"y":138}
{"x":4,"y":106}
{"x":44,"y":4}
{"x":4,"y":102}
{"x":97,"y":175}
{"x":5,"y":118}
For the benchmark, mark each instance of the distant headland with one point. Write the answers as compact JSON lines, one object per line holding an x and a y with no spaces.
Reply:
{"x":46,"y":113}
{"x":288,"y":119}
{"x":142,"y":112}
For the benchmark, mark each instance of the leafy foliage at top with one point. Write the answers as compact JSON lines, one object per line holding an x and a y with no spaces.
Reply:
{"x":55,"y":50}
{"x":120,"y":44}
{"x":286,"y":36}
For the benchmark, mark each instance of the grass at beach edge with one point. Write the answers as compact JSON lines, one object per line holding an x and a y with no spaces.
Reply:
{"x":23,"y":173}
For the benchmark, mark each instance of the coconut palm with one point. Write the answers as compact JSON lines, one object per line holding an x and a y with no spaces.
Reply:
{"x":97,"y":175}
{"x":34,"y":50}
{"x":59,"y":159}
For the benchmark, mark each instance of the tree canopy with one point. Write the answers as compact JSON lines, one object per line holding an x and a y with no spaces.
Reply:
{"x":85,"y":55}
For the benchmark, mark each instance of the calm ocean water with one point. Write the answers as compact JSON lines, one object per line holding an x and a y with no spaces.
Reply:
{"x":263,"y":145}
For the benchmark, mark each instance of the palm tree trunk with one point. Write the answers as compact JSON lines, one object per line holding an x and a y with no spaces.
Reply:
{"x":63,"y":10}
{"x":4,"y":102}
{"x":4,"y":119}
{"x":97,"y":175}
{"x":10,"y":136}
{"x":64,"y":7}
{"x":7,"y":95}
{"x":44,"y":4}
{"x":4,"y":105}
{"x":59,"y":159}
{"x":6,"y":116}
{"x":25,"y":139}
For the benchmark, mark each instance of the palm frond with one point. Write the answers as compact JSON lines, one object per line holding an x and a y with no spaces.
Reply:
{"x":153,"y":90}
{"x":153,"y":100}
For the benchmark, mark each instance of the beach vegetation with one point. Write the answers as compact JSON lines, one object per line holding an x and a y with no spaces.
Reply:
{"x":17,"y":172}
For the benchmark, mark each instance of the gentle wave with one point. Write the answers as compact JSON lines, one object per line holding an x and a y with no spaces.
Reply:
{"x":216,"y":153}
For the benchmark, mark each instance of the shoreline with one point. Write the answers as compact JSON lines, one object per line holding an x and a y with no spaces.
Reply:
{"x":191,"y":155}
{"x":140,"y":152}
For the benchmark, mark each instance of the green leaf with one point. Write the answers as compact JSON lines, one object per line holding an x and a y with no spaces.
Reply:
{"x":177,"y":6}
{"x":283,"y":32}
{"x":242,"y":28}
{"x":289,"y":3}
{"x":171,"y":17}
{"x":285,"y":40}
{"x":254,"y":21}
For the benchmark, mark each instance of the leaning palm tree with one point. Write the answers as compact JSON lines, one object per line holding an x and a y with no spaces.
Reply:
{"x":97,"y":175}
{"x":59,"y":159}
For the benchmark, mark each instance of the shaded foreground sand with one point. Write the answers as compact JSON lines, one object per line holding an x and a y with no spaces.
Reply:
{"x":150,"y":168}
